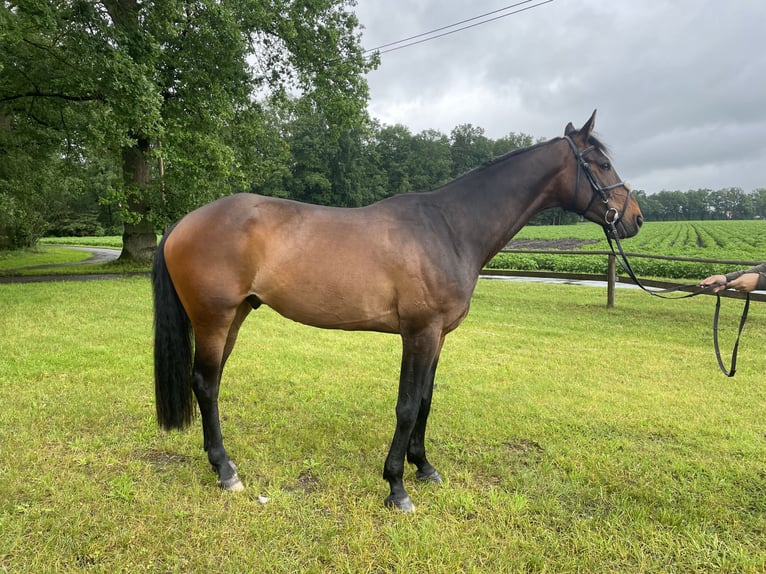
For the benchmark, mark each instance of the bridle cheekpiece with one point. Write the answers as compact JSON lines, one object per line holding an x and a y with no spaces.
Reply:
{"x":612,"y":215}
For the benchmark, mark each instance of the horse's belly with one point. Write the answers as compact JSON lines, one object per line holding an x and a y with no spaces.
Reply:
{"x":334,"y":302}
{"x":350,"y":316}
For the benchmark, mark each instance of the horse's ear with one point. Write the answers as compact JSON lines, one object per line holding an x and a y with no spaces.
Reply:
{"x":587,"y":129}
{"x":569,"y":129}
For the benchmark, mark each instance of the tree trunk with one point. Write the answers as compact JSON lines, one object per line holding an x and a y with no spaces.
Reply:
{"x":139,"y":240}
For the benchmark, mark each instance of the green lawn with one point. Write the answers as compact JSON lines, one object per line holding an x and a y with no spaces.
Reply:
{"x":572,"y":439}
{"x":112,"y":241}
{"x":39,"y":256}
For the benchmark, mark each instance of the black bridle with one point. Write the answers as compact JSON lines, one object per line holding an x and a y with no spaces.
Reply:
{"x":612,"y":217}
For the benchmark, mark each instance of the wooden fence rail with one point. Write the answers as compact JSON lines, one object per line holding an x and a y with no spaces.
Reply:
{"x":611,"y":278}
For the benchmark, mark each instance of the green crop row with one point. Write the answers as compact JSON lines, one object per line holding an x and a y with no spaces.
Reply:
{"x":597,"y":264}
{"x":741,"y":241}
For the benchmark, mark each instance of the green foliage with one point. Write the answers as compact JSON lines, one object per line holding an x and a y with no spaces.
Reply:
{"x":737,"y":240}
{"x":175,"y":94}
{"x":469,"y":148}
{"x":703,"y":204}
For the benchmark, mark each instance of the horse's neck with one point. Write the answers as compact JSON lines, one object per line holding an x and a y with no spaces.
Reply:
{"x":494,"y":202}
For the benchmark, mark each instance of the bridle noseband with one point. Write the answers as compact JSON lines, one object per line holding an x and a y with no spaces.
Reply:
{"x":612,"y":215}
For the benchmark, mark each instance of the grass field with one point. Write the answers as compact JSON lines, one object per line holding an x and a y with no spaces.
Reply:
{"x":112,"y":241}
{"x":10,"y":260}
{"x":572,"y":439}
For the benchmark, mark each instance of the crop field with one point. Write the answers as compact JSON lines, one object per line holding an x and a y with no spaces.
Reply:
{"x":740,"y":242}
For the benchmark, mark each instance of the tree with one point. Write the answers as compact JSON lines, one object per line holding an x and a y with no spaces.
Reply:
{"x":469,"y":148}
{"x":759,"y":202}
{"x":511,"y":142}
{"x":698,"y":204}
{"x":395,"y":150}
{"x":327,"y":167}
{"x":413,"y":162}
{"x":160,"y":87}
{"x":355,"y":175}
{"x":432,"y":160}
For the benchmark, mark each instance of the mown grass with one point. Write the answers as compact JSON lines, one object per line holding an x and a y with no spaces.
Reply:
{"x":108,"y":241}
{"x":49,"y":260}
{"x":572,"y":438}
{"x":115,"y":267}
{"x":38,"y":256}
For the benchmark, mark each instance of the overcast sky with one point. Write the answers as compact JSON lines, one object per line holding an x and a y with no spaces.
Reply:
{"x":680,"y":85}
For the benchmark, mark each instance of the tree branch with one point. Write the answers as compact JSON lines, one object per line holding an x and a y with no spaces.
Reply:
{"x":39,"y":94}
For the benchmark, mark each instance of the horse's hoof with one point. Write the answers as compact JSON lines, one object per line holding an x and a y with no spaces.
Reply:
{"x":434,"y":477}
{"x":404,"y":505}
{"x":233,"y":484}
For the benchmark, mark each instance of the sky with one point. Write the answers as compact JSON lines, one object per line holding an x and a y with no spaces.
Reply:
{"x":679,"y":85}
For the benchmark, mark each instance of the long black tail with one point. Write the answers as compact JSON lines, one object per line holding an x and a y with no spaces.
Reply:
{"x":173,"y":349}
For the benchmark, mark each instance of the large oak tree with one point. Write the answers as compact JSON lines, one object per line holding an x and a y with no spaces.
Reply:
{"x":178,"y":97}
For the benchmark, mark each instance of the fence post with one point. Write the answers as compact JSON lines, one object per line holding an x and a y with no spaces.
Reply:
{"x":611,"y":279}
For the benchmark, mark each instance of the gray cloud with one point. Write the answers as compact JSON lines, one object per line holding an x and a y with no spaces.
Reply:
{"x":680,"y":85}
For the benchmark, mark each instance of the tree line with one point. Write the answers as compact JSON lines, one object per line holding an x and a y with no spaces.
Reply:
{"x":703,"y":204}
{"x":120,"y":116}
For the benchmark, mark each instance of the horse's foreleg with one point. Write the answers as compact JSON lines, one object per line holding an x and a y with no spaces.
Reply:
{"x":419,"y":357}
{"x":416,"y":450}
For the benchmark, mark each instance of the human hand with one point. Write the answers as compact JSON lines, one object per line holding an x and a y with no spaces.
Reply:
{"x":718,"y":282}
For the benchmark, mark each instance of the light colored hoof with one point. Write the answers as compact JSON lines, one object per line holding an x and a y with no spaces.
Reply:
{"x":434,"y":477}
{"x":233,"y":484}
{"x":404,"y":505}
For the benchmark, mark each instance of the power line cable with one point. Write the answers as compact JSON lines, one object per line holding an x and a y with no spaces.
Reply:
{"x":447,"y":27}
{"x":393,"y":46}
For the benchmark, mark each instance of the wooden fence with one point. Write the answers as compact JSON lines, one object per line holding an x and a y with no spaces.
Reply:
{"x":612,"y":278}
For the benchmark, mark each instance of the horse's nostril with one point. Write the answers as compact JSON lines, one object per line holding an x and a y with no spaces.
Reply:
{"x":639,"y":220}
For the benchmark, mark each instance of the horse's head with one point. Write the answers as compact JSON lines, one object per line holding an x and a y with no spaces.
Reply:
{"x":599,"y":193}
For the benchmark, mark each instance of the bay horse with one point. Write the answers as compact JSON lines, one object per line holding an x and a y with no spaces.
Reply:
{"x":406,"y":265}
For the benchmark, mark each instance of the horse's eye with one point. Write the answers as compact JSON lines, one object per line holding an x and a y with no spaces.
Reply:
{"x":606,"y":166}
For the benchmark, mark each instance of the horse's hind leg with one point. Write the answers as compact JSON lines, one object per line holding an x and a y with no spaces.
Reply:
{"x":212,"y":348}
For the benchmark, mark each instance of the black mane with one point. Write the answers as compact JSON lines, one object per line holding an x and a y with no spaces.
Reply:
{"x":592,"y":140}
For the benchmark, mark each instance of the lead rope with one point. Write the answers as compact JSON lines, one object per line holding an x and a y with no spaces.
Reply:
{"x":625,"y":264}
{"x":730,"y":372}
